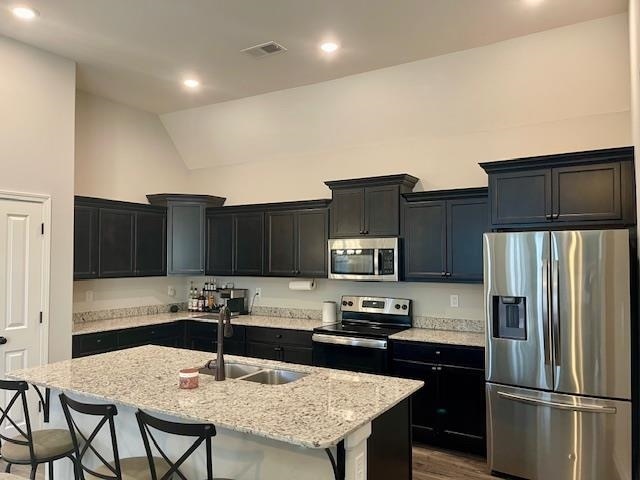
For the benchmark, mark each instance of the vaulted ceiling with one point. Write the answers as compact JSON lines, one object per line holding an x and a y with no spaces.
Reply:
{"x":138,"y":52}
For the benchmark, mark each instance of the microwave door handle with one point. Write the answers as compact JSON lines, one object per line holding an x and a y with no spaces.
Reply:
{"x":376,"y":262}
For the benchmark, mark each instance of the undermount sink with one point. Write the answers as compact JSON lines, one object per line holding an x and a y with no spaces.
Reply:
{"x":257,"y":374}
{"x":233,"y":370}
{"x":275,"y":377}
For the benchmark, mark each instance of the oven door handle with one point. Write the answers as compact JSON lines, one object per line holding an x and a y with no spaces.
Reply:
{"x":349,"y":341}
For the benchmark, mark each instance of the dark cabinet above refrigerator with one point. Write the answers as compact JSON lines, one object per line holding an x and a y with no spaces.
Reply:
{"x":583,"y":189}
{"x":368,"y":206}
{"x":442,"y":232}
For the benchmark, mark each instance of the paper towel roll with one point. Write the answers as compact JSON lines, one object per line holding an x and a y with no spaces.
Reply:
{"x":329,"y":313}
{"x":302,"y":285}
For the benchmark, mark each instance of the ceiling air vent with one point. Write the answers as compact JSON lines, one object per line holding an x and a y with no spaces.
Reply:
{"x":264,"y":49}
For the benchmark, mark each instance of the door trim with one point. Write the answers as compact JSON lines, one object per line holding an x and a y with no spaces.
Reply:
{"x":45,"y":202}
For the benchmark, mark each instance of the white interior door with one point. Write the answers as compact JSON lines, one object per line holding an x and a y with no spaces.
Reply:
{"x":21,"y":294}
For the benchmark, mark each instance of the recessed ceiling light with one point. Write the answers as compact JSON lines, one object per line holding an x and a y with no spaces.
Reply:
{"x":24,"y":13}
{"x":533,"y":3}
{"x":329,"y":47}
{"x":191,"y":83}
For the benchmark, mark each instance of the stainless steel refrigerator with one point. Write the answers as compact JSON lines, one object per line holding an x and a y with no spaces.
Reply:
{"x":558,"y":356}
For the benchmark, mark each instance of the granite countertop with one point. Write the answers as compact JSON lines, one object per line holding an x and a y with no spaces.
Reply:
{"x":317,"y":411}
{"x":450,"y":337}
{"x":160,"y":318}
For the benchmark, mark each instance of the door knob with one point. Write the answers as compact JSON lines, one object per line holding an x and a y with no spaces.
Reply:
{"x":3,"y":340}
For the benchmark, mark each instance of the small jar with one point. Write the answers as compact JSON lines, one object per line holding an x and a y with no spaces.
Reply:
{"x":189,"y":378}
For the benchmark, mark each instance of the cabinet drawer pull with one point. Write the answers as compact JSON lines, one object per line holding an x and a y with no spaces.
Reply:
{"x":279,"y":335}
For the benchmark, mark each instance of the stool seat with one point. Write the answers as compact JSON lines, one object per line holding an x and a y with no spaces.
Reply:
{"x":47,"y":444}
{"x":133,"y":468}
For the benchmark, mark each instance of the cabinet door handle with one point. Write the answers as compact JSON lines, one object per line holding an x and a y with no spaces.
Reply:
{"x":556,"y":215}
{"x":448,"y":274}
{"x":443,"y":273}
{"x":433,"y":368}
{"x":279,"y":335}
{"x":549,"y":216}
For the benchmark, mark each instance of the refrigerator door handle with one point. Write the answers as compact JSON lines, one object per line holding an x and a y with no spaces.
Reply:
{"x":546,"y":331}
{"x":555,"y":311}
{"x":557,"y":405}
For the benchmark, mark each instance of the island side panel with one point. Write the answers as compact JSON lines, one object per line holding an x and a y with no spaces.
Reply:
{"x":236,"y":455}
{"x":389,"y":452}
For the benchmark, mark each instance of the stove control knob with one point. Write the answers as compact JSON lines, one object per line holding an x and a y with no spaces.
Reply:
{"x":350,"y":303}
{"x":397,"y":306}
{"x":404,"y":307}
{"x":344,"y":303}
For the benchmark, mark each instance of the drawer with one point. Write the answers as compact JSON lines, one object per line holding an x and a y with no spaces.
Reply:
{"x":94,"y":343}
{"x":279,"y":336}
{"x":461,"y":356}
{"x":145,"y":335}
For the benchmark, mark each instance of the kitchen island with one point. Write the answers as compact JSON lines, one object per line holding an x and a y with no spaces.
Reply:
{"x":264,"y":431}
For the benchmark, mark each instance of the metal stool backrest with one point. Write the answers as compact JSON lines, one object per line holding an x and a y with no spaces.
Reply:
{"x":202,"y":432}
{"x":82,"y":443}
{"x":20,"y":392}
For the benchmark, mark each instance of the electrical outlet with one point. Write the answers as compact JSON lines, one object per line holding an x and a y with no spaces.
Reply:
{"x":453,"y":301}
{"x":171,"y":291}
{"x":258,"y":292}
{"x":88,"y":296}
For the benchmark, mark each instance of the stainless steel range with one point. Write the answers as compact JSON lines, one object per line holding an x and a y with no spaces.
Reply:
{"x":360,"y":341}
{"x":559,"y":354}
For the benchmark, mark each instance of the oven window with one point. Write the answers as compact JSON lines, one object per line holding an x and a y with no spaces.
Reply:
{"x":357,"y":261}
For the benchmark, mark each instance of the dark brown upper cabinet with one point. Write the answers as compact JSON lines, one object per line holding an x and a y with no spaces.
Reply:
{"x":118,"y":239}
{"x":186,"y":230}
{"x":583,"y":189}
{"x":219,"y":245}
{"x":286,"y":239}
{"x":442,"y":233}
{"x":85,"y":241}
{"x":296,"y":242}
{"x":368,"y":206}
{"x":248,"y":243}
{"x":235,"y":241}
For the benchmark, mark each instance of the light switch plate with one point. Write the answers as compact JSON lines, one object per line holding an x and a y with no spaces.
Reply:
{"x":454,"y":301}
{"x":171,"y":291}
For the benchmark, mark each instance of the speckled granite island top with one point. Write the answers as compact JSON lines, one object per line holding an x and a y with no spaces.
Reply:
{"x":161,"y":318}
{"x":316,"y":411}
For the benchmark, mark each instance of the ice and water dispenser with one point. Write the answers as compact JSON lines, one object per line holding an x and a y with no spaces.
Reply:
{"x":510,"y":317}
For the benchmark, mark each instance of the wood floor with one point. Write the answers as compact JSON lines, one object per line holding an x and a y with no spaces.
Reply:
{"x":433,"y":464}
{"x":428,"y":464}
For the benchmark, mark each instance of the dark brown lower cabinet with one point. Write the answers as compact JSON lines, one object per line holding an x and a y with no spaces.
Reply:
{"x":284,"y":345}
{"x":449,"y":411}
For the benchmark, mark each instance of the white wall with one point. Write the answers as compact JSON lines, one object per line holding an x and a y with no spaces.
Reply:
{"x":107,"y":293}
{"x":561,"y":90}
{"x":634,"y":42}
{"x":430,"y":299}
{"x":123,"y":153}
{"x":37,"y":97}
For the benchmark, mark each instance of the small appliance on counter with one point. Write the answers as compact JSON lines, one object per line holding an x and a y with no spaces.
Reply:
{"x":360,"y":341}
{"x":369,"y":259}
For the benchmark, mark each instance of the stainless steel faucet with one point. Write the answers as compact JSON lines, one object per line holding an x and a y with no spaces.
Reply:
{"x":225,"y":330}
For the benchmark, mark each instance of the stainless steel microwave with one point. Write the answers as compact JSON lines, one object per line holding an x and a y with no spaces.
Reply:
{"x":371,"y":259}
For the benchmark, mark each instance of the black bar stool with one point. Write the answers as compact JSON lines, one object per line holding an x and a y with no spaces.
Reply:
{"x":30,"y":447}
{"x":133,"y":468}
{"x":202,"y":432}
